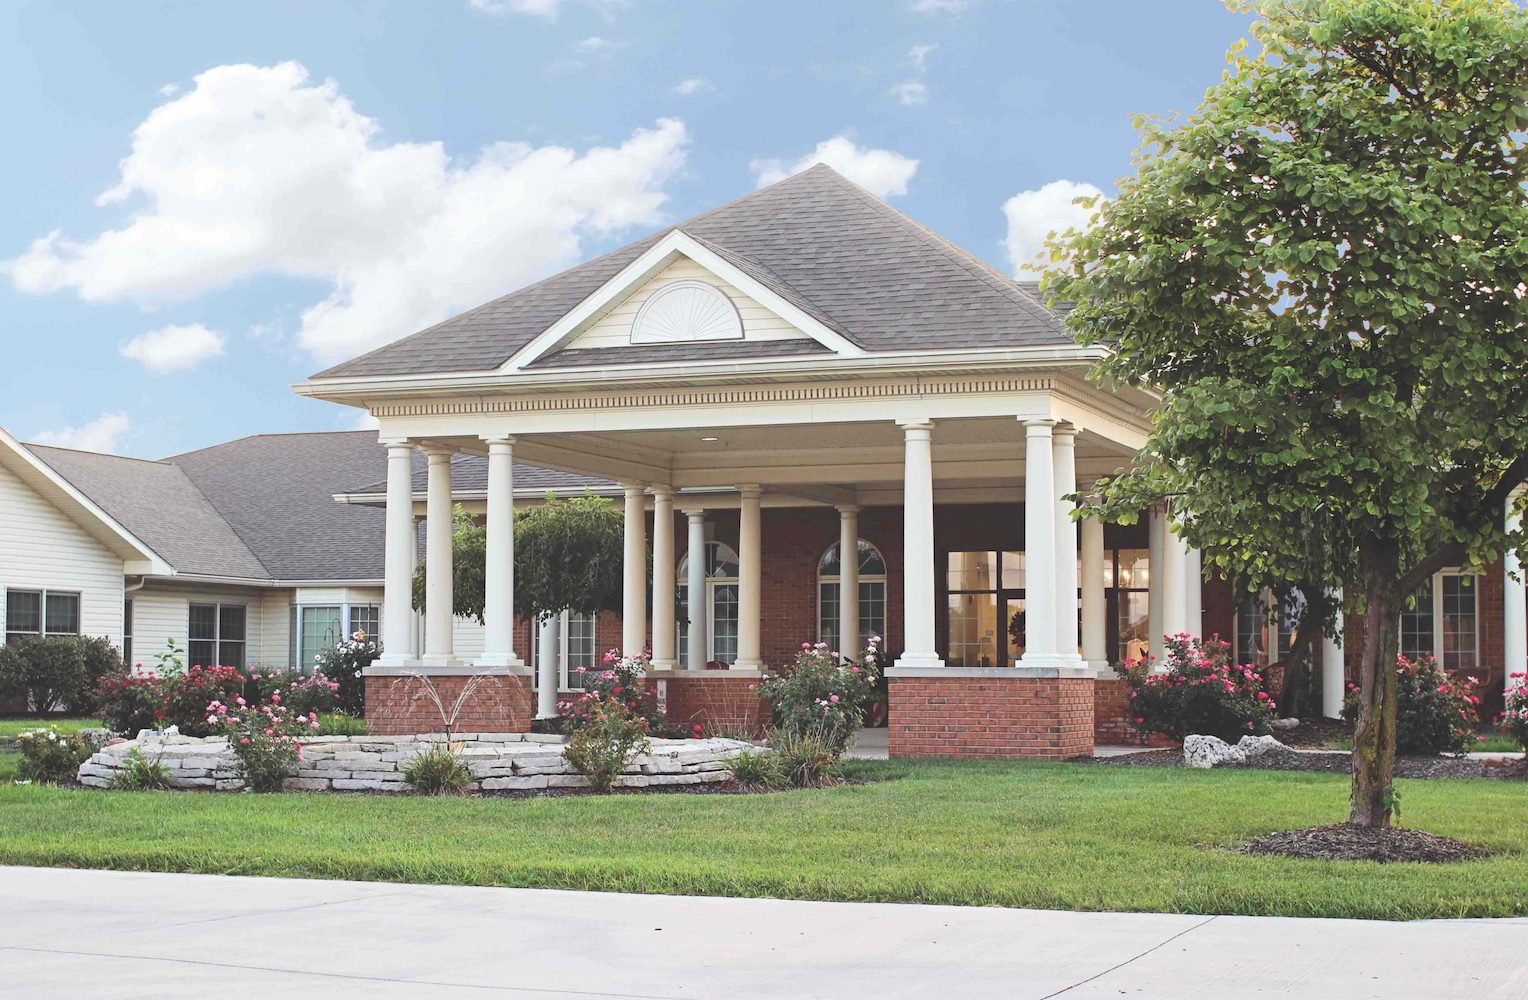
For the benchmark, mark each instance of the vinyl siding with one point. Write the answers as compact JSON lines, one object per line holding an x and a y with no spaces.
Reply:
{"x":41,"y":548}
{"x":614,"y":328}
{"x":162,"y":612}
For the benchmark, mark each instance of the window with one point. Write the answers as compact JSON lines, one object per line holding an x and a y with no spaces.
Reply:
{"x":215,"y":635}
{"x":1127,"y":584}
{"x":721,"y":611}
{"x":41,"y":612}
{"x":1264,"y":636}
{"x":365,"y":618}
{"x":575,"y":648}
{"x":319,"y":628}
{"x":872,"y":598}
{"x":686,"y":311}
{"x":127,"y":631}
{"x":984,"y":608}
{"x":1442,"y":622}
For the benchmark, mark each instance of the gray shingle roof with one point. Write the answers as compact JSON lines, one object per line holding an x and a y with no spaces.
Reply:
{"x":263,"y":508}
{"x":846,"y":257}
{"x":160,"y":504}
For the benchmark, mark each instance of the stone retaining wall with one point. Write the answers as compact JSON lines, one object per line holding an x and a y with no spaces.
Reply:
{"x":500,"y":761}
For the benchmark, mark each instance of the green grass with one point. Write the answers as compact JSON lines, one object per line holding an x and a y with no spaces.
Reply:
{"x":1489,"y":742}
{"x":1062,"y":836}
{"x":11,"y":727}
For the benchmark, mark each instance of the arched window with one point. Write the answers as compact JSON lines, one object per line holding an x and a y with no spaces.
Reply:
{"x":872,"y":597}
{"x":721,"y":612}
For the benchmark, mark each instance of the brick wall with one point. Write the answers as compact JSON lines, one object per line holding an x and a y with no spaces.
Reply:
{"x":1111,"y":714}
{"x":714,"y":701}
{"x":990,"y":717}
{"x":396,"y":706}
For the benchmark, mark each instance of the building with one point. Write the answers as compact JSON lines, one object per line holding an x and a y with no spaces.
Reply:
{"x":802,"y":367}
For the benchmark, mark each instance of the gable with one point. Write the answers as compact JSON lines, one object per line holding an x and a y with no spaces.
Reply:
{"x":665,"y":310}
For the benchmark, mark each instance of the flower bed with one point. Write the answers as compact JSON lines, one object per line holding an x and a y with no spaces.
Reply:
{"x":499,"y":762}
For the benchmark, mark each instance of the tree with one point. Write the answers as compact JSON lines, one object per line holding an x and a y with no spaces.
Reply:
{"x":568,"y":557}
{"x":1322,"y":271}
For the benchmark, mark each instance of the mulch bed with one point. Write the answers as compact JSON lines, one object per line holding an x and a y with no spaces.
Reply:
{"x":1316,"y":733}
{"x":1335,"y":763}
{"x":1341,"y":842}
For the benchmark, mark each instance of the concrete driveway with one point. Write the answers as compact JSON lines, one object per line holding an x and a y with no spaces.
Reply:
{"x":91,"y":934}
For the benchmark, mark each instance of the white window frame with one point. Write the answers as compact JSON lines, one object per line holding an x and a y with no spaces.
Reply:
{"x":565,"y":666}
{"x":1437,"y":615}
{"x":1271,"y":609}
{"x":127,"y":630}
{"x":347,"y":626}
{"x":712,"y":582}
{"x":864,"y":578}
{"x":217,"y":639}
{"x":42,"y":611}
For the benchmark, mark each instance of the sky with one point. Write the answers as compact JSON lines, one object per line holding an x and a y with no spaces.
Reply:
{"x":210,"y":202}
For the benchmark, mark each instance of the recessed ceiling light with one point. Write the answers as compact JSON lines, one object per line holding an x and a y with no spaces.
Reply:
{"x":708,"y":439}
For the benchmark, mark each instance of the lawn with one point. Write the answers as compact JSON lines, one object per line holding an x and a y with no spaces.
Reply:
{"x":11,"y":727}
{"x":1063,"y":836}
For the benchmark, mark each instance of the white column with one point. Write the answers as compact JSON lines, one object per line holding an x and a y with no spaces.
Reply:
{"x":438,"y":607}
{"x":1156,"y":554}
{"x":1514,"y":606}
{"x":1064,"y":471}
{"x":398,"y":573}
{"x":1193,"y":591}
{"x":1174,"y":584}
{"x":1040,"y":610}
{"x":664,"y":632}
{"x":695,"y":583}
{"x":634,"y":580}
{"x":547,"y":675}
{"x":499,"y":559}
{"x":750,"y":580}
{"x":918,"y":546}
{"x":1333,"y":671}
{"x":848,"y":582}
{"x":1095,"y":633}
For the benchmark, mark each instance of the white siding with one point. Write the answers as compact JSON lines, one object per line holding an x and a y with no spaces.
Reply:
{"x":467,"y":637}
{"x":42,"y":549}
{"x":273,"y":632}
{"x":162,"y":612}
{"x":614,"y":328}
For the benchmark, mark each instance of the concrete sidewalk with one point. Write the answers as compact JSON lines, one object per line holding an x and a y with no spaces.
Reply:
{"x":66,"y":933}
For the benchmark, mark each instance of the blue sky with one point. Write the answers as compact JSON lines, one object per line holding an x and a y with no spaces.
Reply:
{"x":212,"y":201}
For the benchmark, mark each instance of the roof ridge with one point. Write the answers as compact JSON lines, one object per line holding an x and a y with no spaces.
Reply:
{"x":212,"y":504}
{"x":171,"y":459}
{"x":30,"y":445}
{"x":956,"y":254}
{"x":725,"y":251}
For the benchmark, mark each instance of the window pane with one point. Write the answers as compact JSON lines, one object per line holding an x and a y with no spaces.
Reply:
{"x":1252,"y":632}
{"x":204,"y":623}
{"x":201,"y":652}
{"x":828,"y":565}
{"x":580,"y":644}
{"x":320,"y":630}
{"x":231,"y":654}
{"x":827,"y":613}
{"x":872,"y":613}
{"x":682,"y":616}
{"x":1135,"y":568}
{"x":231,"y":622}
{"x":1459,"y":640}
{"x":1013,"y":571}
{"x":365,"y":618}
{"x":870,"y":561}
{"x":1134,"y":625}
{"x":972,"y":570}
{"x":973,"y":630}
{"x":127,"y":632}
{"x":724,"y":638}
{"x":1014,"y":637}
{"x":721,"y":561}
{"x":1417,"y":625}
{"x":23,"y":611}
{"x":63,"y":614}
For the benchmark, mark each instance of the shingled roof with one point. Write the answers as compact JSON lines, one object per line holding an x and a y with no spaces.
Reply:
{"x":263,"y":507}
{"x":829,"y":247}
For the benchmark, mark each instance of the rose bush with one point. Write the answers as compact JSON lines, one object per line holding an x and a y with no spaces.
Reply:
{"x":823,"y":694}
{"x":50,"y":757}
{"x":1515,"y":719}
{"x":1436,"y":712}
{"x":265,"y":739}
{"x":345,"y":663}
{"x":622,"y":682}
{"x":1199,"y":691}
{"x":156,"y":700}
{"x":302,"y":693}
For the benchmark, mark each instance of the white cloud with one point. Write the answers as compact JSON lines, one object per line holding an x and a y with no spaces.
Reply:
{"x":256,"y":170}
{"x":1032,"y":215}
{"x":880,"y":171}
{"x":919,"y":55}
{"x":912,"y":93}
{"x":174,"y":348}
{"x":102,"y":434}
{"x":694,"y":85}
{"x":954,"y":8}
{"x":364,"y":421}
{"x":169,"y":90}
{"x":540,"y":8}
{"x":597,"y":45}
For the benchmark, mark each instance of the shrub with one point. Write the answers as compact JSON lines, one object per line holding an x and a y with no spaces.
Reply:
{"x":1200,"y":692}
{"x":130,"y":702}
{"x":302,"y":693}
{"x":48,"y":671}
{"x":50,"y":757}
{"x":340,"y":724}
{"x":1515,"y":719}
{"x":807,"y":758}
{"x":611,"y":735}
{"x":756,"y":769}
{"x":822,"y":695}
{"x":1436,"y":712}
{"x":139,"y":774}
{"x":101,"y":659}
{"x":345,"y":663}
{"x":264,"y":739}
{"x":621,"y":682}
{"x":440,"y":770}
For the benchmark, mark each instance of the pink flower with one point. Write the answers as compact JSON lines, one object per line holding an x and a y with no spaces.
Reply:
{"x":244,"y":740}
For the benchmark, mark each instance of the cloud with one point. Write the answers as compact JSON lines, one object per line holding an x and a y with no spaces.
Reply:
{"x":694,"y":85}
{"x":919,"y":55}
{"x":1032,"y":215}
{"x":174,"y":348}
{"x":364,"y":421}
{"x":539,"y":8}
{"x":103,"y":434}
{"x":880,"y":171}
{"x":912,"y":93}
{"x":953,"y":8}
{"x":597,"y":45}
{"x":258,"y":171}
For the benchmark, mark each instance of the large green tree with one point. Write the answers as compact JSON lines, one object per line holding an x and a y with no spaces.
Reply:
{"x":1322,"y":270}
{"x":568,"y":557}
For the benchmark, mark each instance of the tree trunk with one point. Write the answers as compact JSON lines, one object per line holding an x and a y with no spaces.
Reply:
{"x":1374,"y":734}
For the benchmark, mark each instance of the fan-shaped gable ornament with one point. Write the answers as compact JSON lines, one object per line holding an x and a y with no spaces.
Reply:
{"x":687,"y":311}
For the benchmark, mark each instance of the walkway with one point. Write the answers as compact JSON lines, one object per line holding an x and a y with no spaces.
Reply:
{"x":66,"y":933}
